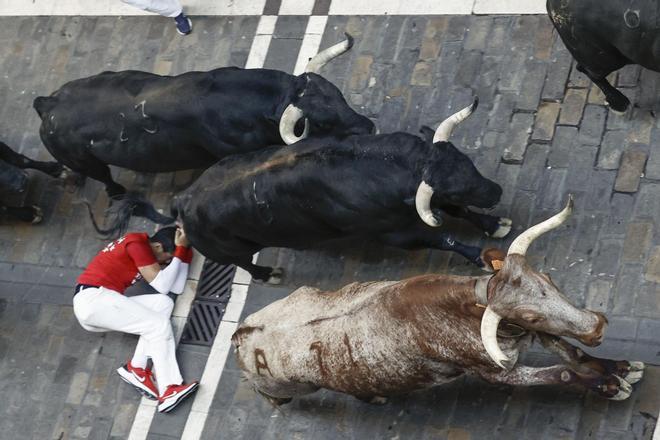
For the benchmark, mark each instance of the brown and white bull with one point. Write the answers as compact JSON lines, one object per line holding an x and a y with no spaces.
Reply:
{"x":377,"y":339}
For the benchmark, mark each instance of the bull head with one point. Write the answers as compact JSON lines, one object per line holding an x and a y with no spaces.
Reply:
{"x":530,"y":299}
{"x":451,"y":176}
{"x":320,"y":104}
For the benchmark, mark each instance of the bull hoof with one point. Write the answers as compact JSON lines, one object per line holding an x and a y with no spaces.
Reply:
{"x":635,"y":373}
{"x":618,"y":107}
{"x":624,"y":390}
{"x":38,"y":215}
{"x":503,"y":228}
{"x":275,"y":401}
{"x":275,"y":276}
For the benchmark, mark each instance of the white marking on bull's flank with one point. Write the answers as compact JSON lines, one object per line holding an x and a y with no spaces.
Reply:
{"x":141,"y":105}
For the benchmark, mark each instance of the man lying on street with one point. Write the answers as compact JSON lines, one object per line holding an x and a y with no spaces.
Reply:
{"x":100,"y":305}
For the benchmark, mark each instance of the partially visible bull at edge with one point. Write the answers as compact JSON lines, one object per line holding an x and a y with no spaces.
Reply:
{"x":152,"y":123}
{"x":378,"y":339}
{"x":605,"y":35}
{"x":388,"y":188}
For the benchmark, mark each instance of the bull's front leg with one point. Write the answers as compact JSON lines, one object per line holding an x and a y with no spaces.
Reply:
{"x":608,"y":386}
{"x":427,"y":237}
{"x":497,"y":227}
{"x":630,"y":371}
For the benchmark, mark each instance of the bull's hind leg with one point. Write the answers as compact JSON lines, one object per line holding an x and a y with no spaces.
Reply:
{"x":632,"y":372}
{"x":97,"y":170}
{"x":54,"y":169}
{"x":30,"y":214}
{"x":608,"y":386}
{"x":595,"y":58}
{"x":266,"y":274}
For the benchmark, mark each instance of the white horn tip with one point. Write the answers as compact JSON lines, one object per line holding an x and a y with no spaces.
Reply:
{"x":431,"y":221}
{"x":570,"y":203}
{"x":475,"y":104}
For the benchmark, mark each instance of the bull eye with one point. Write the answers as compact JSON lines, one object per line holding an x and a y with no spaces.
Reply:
{"x":532,"y":318}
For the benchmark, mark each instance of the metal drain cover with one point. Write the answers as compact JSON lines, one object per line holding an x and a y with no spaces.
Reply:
{"x":213,"y":293}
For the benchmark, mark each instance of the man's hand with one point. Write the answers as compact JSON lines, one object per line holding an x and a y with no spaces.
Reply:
{"x":180,"y":238}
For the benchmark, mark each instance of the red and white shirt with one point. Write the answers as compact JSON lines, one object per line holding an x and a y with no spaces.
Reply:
{"x":116,"y":266}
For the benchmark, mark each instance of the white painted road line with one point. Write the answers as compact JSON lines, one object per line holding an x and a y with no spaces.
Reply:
{"x":287,"y":7}
{"x":311,"y":42}
{"x":147,"y":409}
{"x":509,"y":7}
{"x":261,"y":42}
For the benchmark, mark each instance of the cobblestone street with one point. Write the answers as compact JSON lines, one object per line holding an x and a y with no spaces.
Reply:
{"x":541,"y":131}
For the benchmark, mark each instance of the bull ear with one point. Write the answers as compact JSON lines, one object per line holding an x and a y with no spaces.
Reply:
{"x":299,"y":87}
{"x":427,"y":133}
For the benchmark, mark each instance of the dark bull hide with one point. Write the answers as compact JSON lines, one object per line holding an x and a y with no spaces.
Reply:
{"x":378,"y":339}
{"x":152,"y":123}
{"x":605,"y":35}
{"x":14,"y":180}
{"x":388,"y":188}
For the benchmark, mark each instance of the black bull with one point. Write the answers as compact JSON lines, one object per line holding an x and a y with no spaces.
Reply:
{"x":153,"y":123}
{"x":14,"y":180}
{"x":323,"y":189}
{"x":605,"y":35}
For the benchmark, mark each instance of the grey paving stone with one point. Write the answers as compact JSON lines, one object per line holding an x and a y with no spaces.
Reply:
{"x":598,"y":295}
{"x":627,"y":285}
{"x":630,"y":170}
{"x":637,"y":241}
{"x":593,"y":124}
{"x":558,"y":70}
{"x":546,"y":117}
{"x":573,"y":106}
{"x":520,"y":129}
{"x":563,"y":144}
{"x":533,"y":167}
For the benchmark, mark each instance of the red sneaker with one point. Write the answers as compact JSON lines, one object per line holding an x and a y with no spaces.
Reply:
{"x":175,"y":394}
{"x":142,"y":380}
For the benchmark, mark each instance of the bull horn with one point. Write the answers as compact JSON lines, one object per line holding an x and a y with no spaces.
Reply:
{"x":445,"y":128}
{"x":290,"y":117}
{"x":489,"y":323}
{"x":522,"y":242}
{"x":423,"y":204}
{"x":320,"y":59}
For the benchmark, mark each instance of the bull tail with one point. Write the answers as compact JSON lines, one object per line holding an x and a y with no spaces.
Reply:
{"x":44,"y":104}
{"x":122,"y":209}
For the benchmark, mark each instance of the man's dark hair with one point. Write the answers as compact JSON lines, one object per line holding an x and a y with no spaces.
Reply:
{"x":164,"y":236}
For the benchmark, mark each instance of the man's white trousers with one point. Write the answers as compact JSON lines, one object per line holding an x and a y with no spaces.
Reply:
{"x":100,"y":310}
{"x":166,"y":8}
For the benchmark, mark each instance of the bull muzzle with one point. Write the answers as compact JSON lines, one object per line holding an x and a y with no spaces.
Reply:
{"x":595,"y":337}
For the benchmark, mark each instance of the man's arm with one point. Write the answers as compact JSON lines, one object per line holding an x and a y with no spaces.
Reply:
{"x":168,"y":279}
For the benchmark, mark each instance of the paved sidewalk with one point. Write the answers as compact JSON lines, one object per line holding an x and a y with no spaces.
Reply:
{"x":541,"y":131}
